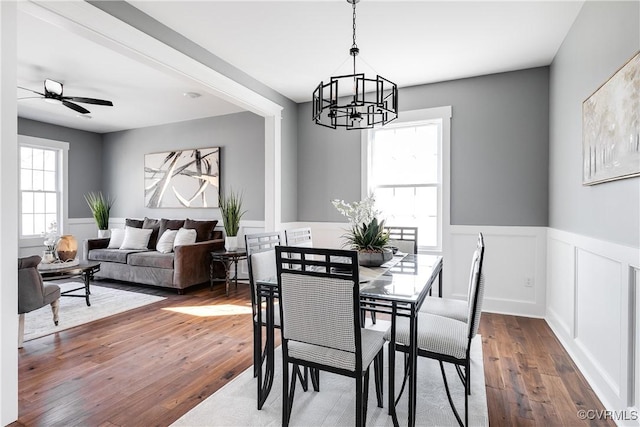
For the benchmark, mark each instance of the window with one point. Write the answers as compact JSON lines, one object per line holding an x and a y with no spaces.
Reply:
{"x":404,"y":171}
{"x":42,"y":183}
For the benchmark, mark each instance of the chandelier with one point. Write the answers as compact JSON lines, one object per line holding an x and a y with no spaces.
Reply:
{"x":353,"y":101}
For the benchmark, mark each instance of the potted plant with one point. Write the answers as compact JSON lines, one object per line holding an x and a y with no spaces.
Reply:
{"x":231,"y":211}
{"x":100,"y":207}
{"x":367,"y":234}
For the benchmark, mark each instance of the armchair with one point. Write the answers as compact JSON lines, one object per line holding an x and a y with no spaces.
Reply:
{"x":33,"y":293}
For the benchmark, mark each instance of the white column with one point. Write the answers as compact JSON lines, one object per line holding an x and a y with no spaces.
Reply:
{"x":272,"y":173}
{"x":8,"y":215}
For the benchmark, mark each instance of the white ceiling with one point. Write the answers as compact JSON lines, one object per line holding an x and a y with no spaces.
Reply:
{"x":289,"y":46}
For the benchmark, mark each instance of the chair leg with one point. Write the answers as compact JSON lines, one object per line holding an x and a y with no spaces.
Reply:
{"x":365,"y":395}
{"x":453,"y":407}
{"x":378,"y":367}
{"x":55,"y":306}
{"x":315,"y":379}
{"x":359,"y":405}
{"x":257,"y":351}
{"x":20,"y":330}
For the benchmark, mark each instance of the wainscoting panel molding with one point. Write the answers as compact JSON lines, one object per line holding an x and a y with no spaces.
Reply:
{"x":591,"y":307}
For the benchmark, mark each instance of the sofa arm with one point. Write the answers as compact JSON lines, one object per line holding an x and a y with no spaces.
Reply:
{"x":191,"y":262}
{"x":90,"y":244}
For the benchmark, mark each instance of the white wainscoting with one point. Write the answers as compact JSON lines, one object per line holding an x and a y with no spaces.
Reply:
{"x":80,"y":228}
{"x":515,"y":256}
{"x":514,"y":267}
{"x":592,"y":300}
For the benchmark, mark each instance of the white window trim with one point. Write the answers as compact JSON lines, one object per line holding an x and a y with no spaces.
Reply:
{"x":63,"y":161}
{"x":406,"y":118}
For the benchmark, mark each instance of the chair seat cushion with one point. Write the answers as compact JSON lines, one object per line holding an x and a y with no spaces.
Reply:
{"x":446,"y":307}
{"x":372,"y":342}
{"x":436,"y":334}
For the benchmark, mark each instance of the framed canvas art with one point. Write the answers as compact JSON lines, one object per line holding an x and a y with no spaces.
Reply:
{"x":182,"y":179}
{"x":611,"y":127}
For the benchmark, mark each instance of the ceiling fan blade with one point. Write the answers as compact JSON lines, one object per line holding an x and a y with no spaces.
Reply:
{"x":75,"y":107}
{"x":31,"y":90}
{"x":88,"y":100}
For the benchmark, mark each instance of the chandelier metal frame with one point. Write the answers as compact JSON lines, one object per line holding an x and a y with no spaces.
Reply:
{"x":353,"y":101}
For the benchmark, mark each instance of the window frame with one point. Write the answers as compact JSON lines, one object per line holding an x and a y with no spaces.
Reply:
{"x":412,"y":118}
{"x":62,"y":157}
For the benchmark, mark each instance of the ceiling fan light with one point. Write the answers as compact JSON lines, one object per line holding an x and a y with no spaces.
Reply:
{"x":52,"y":87}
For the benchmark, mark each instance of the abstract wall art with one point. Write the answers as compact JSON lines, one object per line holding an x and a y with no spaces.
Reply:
{"x":611,"y":127}
{"x":182,"y":178}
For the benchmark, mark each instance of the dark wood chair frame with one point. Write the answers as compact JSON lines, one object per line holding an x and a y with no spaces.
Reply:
{"x":340,"y":264}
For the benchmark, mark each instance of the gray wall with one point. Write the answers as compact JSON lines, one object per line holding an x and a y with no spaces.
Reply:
{"x":85,"y":160}
{"x":145,"y":23}
{"x":240,"y":136}
{"x":604,"y":36}
{"x":499,"y":151}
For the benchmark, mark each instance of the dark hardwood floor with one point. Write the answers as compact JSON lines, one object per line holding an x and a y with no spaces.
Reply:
{"x":149,"y":366}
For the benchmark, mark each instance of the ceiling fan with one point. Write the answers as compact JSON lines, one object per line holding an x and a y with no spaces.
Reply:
{"x":53,"y":92}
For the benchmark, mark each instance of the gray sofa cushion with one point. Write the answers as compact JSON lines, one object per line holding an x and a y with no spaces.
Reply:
{"x":110,"y":255}
{"x":152,"y":259}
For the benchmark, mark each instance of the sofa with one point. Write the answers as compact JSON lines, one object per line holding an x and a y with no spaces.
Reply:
{"x":184,"y":266}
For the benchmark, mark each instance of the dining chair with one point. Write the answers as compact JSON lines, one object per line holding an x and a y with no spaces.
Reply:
{"x":321,"y":329}
{"x":299,"y":237}
{"x":261,"y":262}
{"x":452,"y":307}
{"x":403,"y":238}
{"x":448,"y":340}
{"x":33,"y":293}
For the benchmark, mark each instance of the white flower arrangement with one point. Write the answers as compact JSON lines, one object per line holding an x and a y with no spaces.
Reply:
{"x":358,"y":212}
{"x":51,"y":237}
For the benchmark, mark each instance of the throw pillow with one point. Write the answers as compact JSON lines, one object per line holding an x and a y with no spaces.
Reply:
{"x":117,"y":237}
{"x":165,"y":242}
{"x":136,"y":238}
{"x":154,"y":225}
{"x":170,"y":224}
{"x":184,"y":236}
{"x":204,"y":229}
{"x":135,"y":223}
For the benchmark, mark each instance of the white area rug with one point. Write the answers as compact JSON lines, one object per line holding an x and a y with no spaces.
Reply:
{"x":235,"y":403}
{"x":74,"y":311}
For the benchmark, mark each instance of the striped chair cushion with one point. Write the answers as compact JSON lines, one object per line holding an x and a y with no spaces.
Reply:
{"x":372,"y":342}
{"x":436,"y":334}
{"x":447,"y":307}
{"x":318,"y":310}
{"x":263,"y":266}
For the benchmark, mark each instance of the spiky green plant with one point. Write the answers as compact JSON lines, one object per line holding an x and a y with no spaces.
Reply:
{"x":368,"y":237}
{"x":231,"y":210}
{"x":100,"y":207}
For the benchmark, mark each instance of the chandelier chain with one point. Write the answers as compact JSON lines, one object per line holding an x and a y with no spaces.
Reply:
{"x":354,"y":25}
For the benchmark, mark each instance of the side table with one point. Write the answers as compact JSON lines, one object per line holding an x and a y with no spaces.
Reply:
{"x":227,"y":257}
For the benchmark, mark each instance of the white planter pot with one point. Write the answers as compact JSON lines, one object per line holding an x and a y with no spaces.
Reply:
{"x":231,"y":242}
{"x":103,"y":234}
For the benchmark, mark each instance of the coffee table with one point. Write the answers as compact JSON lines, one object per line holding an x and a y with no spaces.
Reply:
{"x":84,"y":269}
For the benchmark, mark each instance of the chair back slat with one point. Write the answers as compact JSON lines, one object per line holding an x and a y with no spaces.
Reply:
{"x":299,"y":237}
{"x":404,"y":238}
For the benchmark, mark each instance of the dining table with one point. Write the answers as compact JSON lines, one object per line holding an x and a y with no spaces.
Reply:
{"x":397,"y":288}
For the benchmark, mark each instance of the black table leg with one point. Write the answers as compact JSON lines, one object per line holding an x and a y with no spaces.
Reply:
{"x":87,"y":281}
